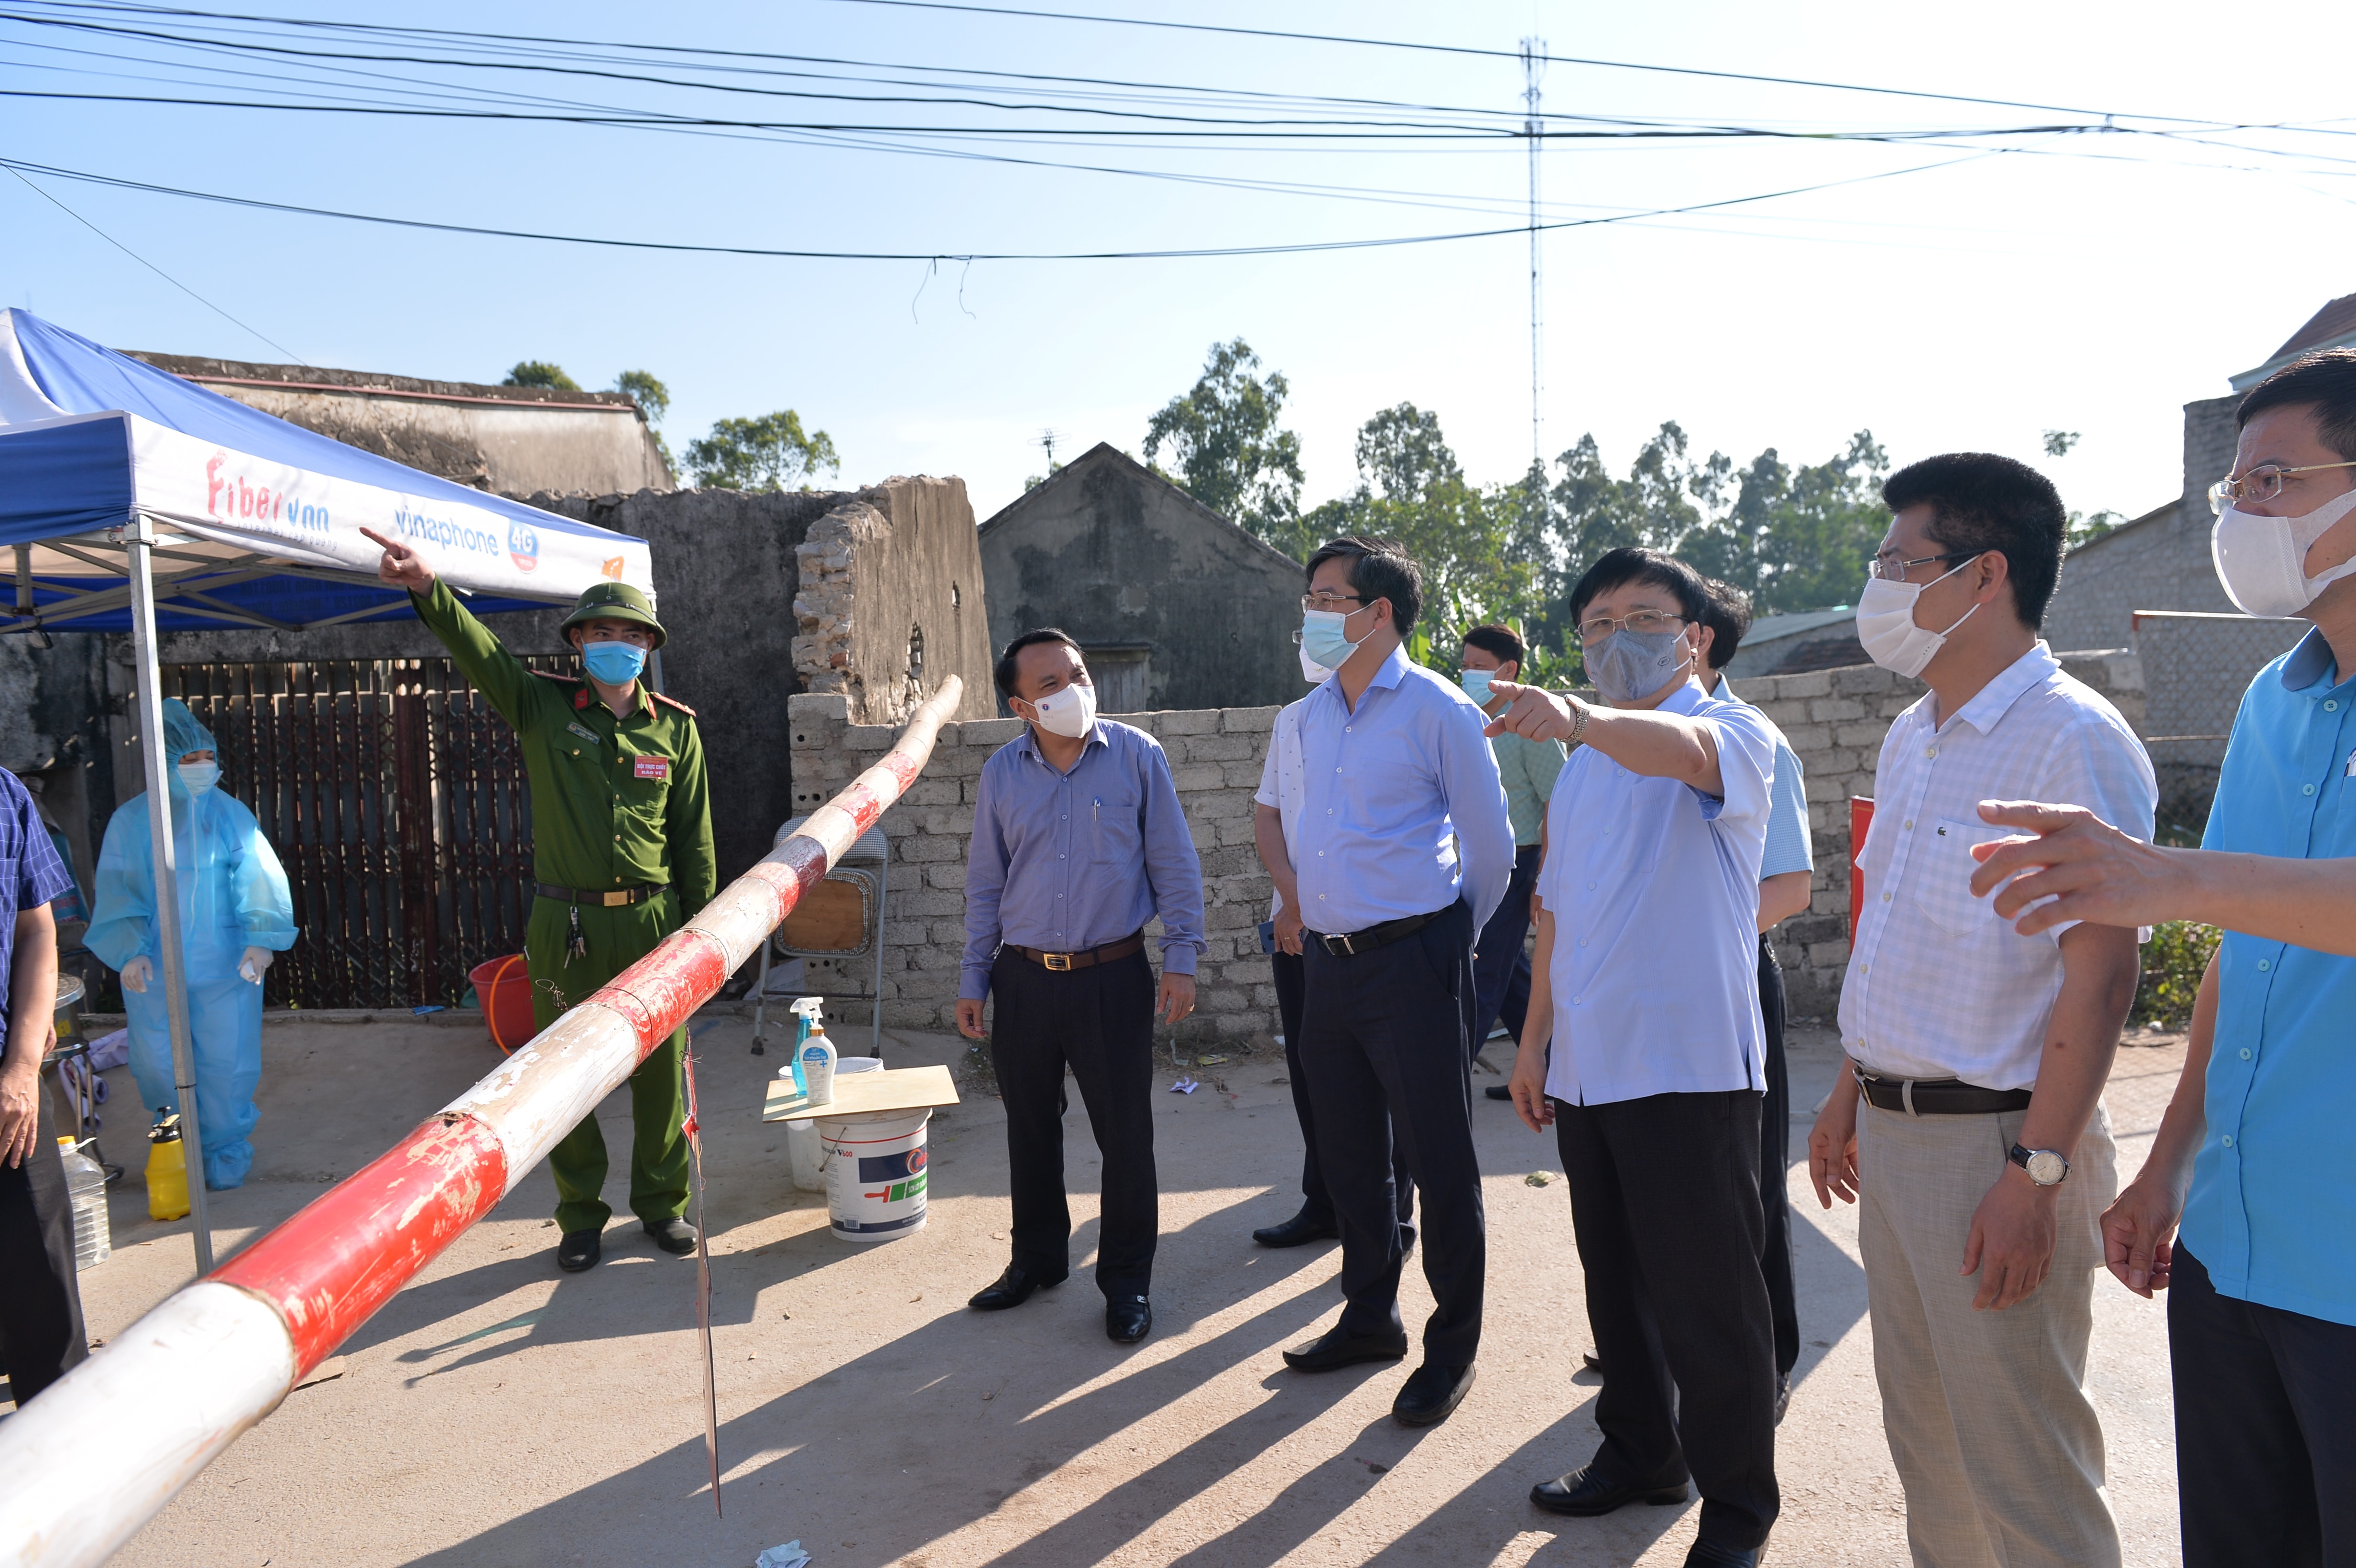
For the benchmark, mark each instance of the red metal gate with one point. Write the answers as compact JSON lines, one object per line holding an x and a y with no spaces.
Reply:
{"x":396,"y":798}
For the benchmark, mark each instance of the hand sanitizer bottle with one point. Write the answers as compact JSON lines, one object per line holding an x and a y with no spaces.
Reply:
{"x":806,"y":1011}
{"x":818,"y":1065}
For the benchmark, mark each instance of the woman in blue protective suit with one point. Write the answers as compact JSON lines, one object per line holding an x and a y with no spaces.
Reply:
{"x":236,"y":913}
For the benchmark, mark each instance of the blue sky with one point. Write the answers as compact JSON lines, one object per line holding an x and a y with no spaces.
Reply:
{"x":2091,"y":284}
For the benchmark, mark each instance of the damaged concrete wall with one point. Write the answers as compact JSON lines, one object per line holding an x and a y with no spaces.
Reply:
{"x":510,"y":440}
{"x":891,"y":601}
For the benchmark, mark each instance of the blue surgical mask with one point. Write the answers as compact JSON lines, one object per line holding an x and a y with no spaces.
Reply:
{"x":1475,"y":683}
{"x":616,"y":664}
{"x":199,"y":777}
{"x":1322,"y":637}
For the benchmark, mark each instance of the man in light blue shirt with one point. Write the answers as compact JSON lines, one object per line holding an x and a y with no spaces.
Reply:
{"x":1647,"y":976}
{"x":2254,"y":1151}
{"x":1404,"y":849}
{"x":1786,"y":880}
{"x":1077,"y":841}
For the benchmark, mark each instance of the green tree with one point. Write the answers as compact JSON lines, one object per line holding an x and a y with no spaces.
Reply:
{"x":654,"y":401}
{"x":1796,"y":539}
{"x":1229,"y":453}
{"x":541,"y":373}
{"x":771,"y":453}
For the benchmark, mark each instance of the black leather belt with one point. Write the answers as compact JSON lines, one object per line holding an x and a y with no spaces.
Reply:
{"x":608,"y":898}
{"x":1938,"y":1097}
{"x":1351,"y":943}
{"x":1088,"y":958}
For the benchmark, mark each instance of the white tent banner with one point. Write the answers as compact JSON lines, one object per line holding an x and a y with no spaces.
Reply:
{"x":292,"y":514}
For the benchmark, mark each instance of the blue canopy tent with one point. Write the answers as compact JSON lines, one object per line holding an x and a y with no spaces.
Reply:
{"x":136,"y":501}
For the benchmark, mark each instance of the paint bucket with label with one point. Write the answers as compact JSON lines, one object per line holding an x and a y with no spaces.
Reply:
{"x":875,"y":1174}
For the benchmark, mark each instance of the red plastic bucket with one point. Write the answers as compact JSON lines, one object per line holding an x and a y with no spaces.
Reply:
{"x":504,"y":989}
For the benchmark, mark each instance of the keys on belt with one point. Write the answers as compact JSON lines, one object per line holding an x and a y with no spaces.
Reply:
{"x":602,"y":898}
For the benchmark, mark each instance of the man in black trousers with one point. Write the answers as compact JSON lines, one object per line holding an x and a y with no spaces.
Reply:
{"x":1278,"y":821}
{"x":1405,"y":848}
{"x":41,"y":1300}
{"x":1078,"y":841}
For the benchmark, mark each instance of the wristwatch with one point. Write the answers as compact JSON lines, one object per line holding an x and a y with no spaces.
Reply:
{"x":2044,"y":1166}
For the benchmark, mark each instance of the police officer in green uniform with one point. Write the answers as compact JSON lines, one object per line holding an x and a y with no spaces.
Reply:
{"x":621,"y":854}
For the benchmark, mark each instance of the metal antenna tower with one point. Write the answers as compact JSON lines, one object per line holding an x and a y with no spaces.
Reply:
{"x":1533,"y":68}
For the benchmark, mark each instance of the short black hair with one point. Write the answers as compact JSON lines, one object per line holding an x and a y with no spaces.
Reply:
{"x":1005,"y":671}
{"x":2325,"y":379}
{"x":1631,"y":563}
{"x":1501,"y":643}
{"x":1727,"y":618}
{"x":1979,"y":502}
{"x":1380,"y":569}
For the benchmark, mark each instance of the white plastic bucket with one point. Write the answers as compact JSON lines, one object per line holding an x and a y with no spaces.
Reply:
{"x":875,"y":1174}
{"x":801,"y":1148}
{"x":801,"y":1137}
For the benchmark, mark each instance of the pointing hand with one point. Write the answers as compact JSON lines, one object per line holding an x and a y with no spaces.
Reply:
{"x":401,"y":567}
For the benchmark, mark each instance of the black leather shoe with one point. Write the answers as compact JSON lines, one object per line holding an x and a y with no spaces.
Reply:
{"x":1782,"y":1396}
{"x":1431,"y":1394}
{"x":1128,"y":1318}
{"x":1709,"y":1554}
{"x":673,"y":1235}
{"x":1583,"y":1494}
{"x":577,"y":1251}
{"x":1499,"y":1091}
{"x":1012,"y":1288}
{"x":1296,"y":1232}
{"x":1337,"y":1349}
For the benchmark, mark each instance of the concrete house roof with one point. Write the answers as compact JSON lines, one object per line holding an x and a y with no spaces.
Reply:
{"x":2333,"y":326}
{"x":1105,"y":454}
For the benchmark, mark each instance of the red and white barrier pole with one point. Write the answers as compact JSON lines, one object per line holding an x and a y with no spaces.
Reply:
{"x":78,"y":1478}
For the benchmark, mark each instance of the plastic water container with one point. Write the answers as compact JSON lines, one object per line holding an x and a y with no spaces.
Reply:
{"x":86,"y":1188}
{"x":875,"y":1174}
{"x":801,"y":1137}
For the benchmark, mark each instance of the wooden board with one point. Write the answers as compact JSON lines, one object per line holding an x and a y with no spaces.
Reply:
{"x":856,"y":1093}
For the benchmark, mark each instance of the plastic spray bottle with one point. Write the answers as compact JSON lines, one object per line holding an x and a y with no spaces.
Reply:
{"x":167,"y":1168}
{"x":806,"y":1011}
{"x":818,"y":1065}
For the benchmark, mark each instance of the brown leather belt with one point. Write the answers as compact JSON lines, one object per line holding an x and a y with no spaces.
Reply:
{"x":1062,"y":963}
{"x":1938,"y":1097}
{"x":609,"y":897}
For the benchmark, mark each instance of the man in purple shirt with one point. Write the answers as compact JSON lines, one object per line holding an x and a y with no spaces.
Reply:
{"x":1078,"y":841}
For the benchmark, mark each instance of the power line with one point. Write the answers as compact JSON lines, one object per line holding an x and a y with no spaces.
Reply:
{"x":19,"y":172}
{"x":1509,"y":55}
{"x":1186,"y":253}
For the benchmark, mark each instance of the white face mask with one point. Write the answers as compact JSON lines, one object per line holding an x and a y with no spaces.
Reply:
{"x":1885,"y":623}
{"x":199,"y":777}
{"x":1313,"y":672}
{"x":1068,"y":712}
{"x":2261,"y":561}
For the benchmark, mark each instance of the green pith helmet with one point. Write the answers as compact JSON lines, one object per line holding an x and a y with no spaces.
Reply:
{"x":615,"y":602}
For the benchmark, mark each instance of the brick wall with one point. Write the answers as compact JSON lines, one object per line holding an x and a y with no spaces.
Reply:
{"x":1835,"y":720}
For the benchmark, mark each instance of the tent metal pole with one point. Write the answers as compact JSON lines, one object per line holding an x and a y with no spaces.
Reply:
{"x":170,"y":968}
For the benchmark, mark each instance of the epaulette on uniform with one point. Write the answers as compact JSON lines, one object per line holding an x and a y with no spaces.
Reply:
{"x":673,"y":702}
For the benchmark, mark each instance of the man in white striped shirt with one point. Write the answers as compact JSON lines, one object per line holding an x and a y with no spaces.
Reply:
{"x":1980,"y":1200}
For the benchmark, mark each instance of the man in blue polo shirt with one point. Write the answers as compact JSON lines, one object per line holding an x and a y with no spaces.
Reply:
{"x":2253,"y":1154}
{"x":40,"y":1304}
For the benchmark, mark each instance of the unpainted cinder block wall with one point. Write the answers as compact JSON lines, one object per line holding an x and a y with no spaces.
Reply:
{"x":1835,"y":720}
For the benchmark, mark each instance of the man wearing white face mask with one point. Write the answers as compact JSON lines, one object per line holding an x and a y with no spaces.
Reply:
{"x":1078,"y":841}
{"x":1981,"y":1157}
{"x":2253,"y":1155}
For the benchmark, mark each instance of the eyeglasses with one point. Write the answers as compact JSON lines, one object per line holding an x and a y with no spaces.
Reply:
{"x":1329,"y":602}
{"x":1595,"y":628}
{"x":1891,"y":568}
{"x":2261,"y":484}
